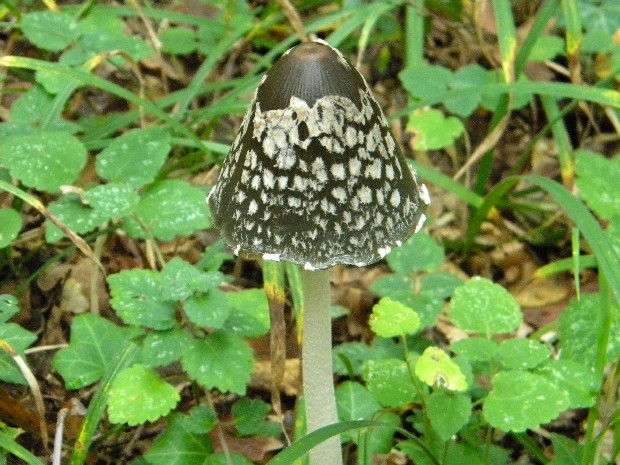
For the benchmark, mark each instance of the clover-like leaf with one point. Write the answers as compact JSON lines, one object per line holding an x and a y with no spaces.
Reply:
{"x":10,"y":225}
{"x":139,"y":299}
{"x":113,"y":200}
{"x":448,"y":412}
{"x":579,"y":325}
{"x":210,"y":309}
{"x":476,"y":349}
{"x":435,"y":368}
{"x":481,"y":306}
{"x":420,"y":252}
{"x":134,"y":158}
{"x":522,"y":354}
{"x":578,"y":381}
{"x":162,"y":348}
{"x":355,"y":402}
{"x":77,"y":216}
{"x":390,"y":319}
{"x":138,"y":394}
{"x":168,"y":209}
{"x":432,"y":130}
{"x":94,"y":346}
{"x":389,"y":382}
{"x":219,"y":361}
{"x":50,"y":30}
{"x":522,"y":400}
{"x":249,"y":313}
{"x":44,"y":160}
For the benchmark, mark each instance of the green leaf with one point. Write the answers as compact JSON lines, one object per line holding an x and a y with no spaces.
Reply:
{"x":178,"y":41}
{"x":439,"y":285}
{"x":113,"y":200}
{"x":566,"y":450}
{"x":249,"y":313}
{"x":201,"y":420}
{"x":579,"y":382}
{"x":351,"y":355}
{"x":467,"y":77}
{"x":425,"y":81}
{"x":179,"y":445}
{"x":579,"y":325}
{"x":521,"y":400}
{"x":250,"y":418}
{"x":45,"y":160}
{"x":138,"y":395}
{"x":168,"y":209}
{"x":481,"y":306}
{"x":181,"y":279}
{"x":36,"y":110}
{"x":435,"y":368}
{"x":390,"y":319}
{"x":49,"y":30}
{"x":19,"y":339}
{"x":162,"y":348}
{"x":476,"y":349}
{"x":219,"y":361}
{"x":432,"y":130}
{"x":94,"y":346}
{"x":448,"y":412}
{"x":522,"y":354}
{"x":208,"y":310}
{"x":139,"y":299}
{"x":596,"y":178}
{"x":392,"y":284}
{"x":355,"y":402}
{"x":389,"y":382}
{"x":10,"y":225}
{"x":547,"y":47}
{"x":419,"y":253}
{"x":134,"y":158}
{"x":8,"y":307}
{"x":74,"y":214}
{"x":427,"y":307}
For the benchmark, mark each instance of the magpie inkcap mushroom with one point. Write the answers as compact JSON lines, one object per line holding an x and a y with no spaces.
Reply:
{"x":314,"y":176}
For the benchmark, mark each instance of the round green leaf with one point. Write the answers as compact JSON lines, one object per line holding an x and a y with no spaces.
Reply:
{"x":219,"y":361}
{"x":522,"y":354}
{"x":476,"y":349}
{"x":74,"y":214}
{"x":481,"y":306}
{"x":596,"y":178}
{"x":575,"y":379}
{"x":134,"y":158}
{"x":389,"y":382}
{"x":45,"y":160}
{"x":10,"y":225}
{"x":138,"y":298}
{"x":435,"y":368}
{"x":432,"y":130}
{"x":50,"y":30}
{"x":448,"y":412}
{"x":522,"y":400}
{"x":138,"y":395}
{"x":161,"y":348}
{"x":390,"y":319}
{"x":210,"y":309}
{"x":170,"y":208}
{"x":419,"y":253}
{"x":249,"y":313}
{"x":113,"y":200}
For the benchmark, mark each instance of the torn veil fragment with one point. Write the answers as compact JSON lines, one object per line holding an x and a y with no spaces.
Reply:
{"x":314,"y":176}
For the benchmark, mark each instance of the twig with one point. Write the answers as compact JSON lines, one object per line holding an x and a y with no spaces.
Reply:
{"x":295,"y":20}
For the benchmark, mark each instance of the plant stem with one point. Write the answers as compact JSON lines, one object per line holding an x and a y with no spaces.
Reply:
{"x":318,"y":381}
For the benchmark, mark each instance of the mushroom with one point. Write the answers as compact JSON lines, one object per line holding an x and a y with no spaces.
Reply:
{"x":314,"y":177}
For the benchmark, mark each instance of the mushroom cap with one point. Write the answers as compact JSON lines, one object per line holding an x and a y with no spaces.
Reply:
{"x":314,"y":176}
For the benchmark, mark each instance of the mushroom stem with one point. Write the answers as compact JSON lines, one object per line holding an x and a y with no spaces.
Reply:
{"x":318,"y":380}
